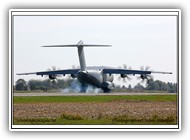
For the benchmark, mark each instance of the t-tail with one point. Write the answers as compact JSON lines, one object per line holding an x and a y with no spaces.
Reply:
{"x":80,"y":45}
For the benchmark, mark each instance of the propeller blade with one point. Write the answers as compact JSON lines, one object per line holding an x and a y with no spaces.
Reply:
{"x":142,"y":67}
{"x":53,"y":68}
{"x":147,"y":68}
{"x":149,"y":76}
{"x":128,"y":78}
{"x":124,"y":80}
{"x":119,"y":78}
{"x":124,"y":66}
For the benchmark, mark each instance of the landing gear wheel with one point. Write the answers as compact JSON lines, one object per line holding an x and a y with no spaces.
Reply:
{"x":106,"y":90}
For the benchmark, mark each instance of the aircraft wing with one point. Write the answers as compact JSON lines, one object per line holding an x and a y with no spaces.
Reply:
{"x":56,"y":72}
{"x":132,"y":72}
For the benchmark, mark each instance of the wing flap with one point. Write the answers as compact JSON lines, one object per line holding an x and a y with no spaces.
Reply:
{"x":60,"y":46}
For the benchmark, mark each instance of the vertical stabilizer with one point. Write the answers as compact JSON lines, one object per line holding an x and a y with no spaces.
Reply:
{"x":80,"y":45}
{"x":81,"y":55}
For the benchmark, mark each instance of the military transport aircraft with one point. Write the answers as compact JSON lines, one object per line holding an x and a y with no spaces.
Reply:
{"x":100,"y":77}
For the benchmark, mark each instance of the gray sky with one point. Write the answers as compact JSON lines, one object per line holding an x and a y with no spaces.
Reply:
{"x":136,"y":41}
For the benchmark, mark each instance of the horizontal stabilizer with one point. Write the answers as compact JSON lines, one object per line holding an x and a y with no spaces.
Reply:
{"x":83,"y":45}
{"x":61,"y":46}
{"x":91,"y":45}
{"x":79,"y":44}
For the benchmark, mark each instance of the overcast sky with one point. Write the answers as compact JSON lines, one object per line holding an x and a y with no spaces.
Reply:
{"x":136,"y":41}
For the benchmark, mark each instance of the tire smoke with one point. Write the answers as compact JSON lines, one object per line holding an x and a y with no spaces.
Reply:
{"x":76,"y":87}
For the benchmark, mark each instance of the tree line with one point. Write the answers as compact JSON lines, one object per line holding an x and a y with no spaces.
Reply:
{"x":45,"y":85}
{"x":156,"y":85}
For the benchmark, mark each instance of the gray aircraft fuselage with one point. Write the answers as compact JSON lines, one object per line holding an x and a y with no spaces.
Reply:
{"x":96,"y":78}
{"x":92,"y":77}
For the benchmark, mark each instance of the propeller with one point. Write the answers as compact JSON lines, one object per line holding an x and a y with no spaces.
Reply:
{"x":145,"y":77}
{"x":53,"y":77}
{"x":124,"y":76}
{"x":53,"y":68}
{"x":69,"y":76}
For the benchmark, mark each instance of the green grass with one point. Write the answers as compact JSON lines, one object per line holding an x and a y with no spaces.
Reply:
{"x":58,"y":99}
{"x":78,"y":120}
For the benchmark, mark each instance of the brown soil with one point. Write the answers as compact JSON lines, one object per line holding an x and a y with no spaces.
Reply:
{"x":132,"y":109}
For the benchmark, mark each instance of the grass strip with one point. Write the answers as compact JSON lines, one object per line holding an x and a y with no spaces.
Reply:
{"x":78,"y":120}
{"x":58,"y":99}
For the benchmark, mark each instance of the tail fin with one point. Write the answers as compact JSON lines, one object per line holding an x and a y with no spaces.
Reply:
{"x":80,"y":46}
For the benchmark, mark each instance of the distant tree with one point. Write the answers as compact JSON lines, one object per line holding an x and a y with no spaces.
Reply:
{"x":162,"y":86}
{"x":138,"y":87}
{"x":123,"y":87}
{"x":60,"y":83}
{"x":46,"y":84}
{"x":171,"y":87}
{"x":153,"y":85}
{"x":21,"y":84}
{"x":129,"y":87}
{"x":35,"y":85}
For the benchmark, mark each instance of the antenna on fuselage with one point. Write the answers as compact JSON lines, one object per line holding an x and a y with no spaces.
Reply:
{"x":80,"y":46}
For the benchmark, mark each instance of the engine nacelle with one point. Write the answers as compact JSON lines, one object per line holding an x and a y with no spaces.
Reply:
{"x":143,"y":76}
{"x":74,"y":76}
{"x":123,"y":75}
{"x":52,"y":77}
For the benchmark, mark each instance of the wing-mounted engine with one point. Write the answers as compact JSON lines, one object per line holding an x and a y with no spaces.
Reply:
{"x":74,"y":76}
{"x":145,"y":77}
{"x":124,"y":77}
{"x":52,"y":77}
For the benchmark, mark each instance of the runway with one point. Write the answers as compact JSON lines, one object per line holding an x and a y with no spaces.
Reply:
{"x":87,"y":94}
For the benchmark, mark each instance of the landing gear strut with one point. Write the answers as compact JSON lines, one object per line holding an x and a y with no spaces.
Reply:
{"x":106,"y":90}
